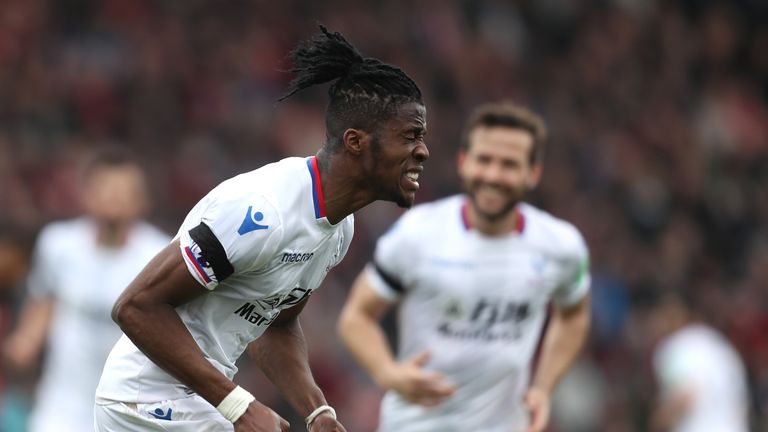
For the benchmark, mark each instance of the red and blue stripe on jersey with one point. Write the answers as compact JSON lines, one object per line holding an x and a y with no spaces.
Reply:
{"x":317,"y":188}
{"x":200,"y":270}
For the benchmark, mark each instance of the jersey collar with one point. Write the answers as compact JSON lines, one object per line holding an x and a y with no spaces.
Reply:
{"x":519,"y":218}
{"x":317,"y":187}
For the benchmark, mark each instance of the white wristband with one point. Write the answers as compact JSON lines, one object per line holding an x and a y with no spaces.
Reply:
{"x":319,"y":410}
{"x":235,"y":404}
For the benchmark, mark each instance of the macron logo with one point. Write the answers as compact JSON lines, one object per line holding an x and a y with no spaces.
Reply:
{"x":160,"y":415}
{"x":250,"y":223}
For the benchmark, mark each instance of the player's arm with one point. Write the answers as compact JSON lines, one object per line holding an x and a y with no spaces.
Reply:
{"x":23,"y":347}
{"x":145,"y":312}
{"x":281,"y":353}
{"x":25,"y":344}
{"x":360,"y":330}
{"x":671,"y":409}
{"x":564,"y":338}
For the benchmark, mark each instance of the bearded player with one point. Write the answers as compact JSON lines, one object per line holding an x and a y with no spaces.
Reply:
{"x":472,"y":276}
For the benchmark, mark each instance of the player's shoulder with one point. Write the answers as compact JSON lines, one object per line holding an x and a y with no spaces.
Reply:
{"x":680,"y":343}
{"x":268,"y":180}
{"x":62,"y":231}
{"x":262,"y":195}
{"x":551,"y":231}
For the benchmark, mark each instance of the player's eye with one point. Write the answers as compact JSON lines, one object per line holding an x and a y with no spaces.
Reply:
{"x":485,"y":160}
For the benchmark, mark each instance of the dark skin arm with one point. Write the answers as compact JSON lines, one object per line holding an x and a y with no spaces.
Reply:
{"x":281,"y":353}
{"x":148,"y":305}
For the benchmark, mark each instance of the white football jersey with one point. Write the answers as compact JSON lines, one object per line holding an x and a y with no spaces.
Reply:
{"x":700,"y":361}
{"x":84,"y":279}
{"x":260,"y":242}
{"x":478,"y":303}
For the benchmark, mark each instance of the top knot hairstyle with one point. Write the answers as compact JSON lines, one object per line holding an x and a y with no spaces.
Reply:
{"x":365,"y":91}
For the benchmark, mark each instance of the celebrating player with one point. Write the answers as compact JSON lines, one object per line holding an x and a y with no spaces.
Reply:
{"x":473,"y":275}
{"x":250,"y":253}
{"x":80,"y":268}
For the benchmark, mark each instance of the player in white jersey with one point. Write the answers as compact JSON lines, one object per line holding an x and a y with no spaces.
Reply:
{"x":250,"y":253}
{"x":473,"y":275}
{"x":701,"y":378}
{"x":81,"y":266}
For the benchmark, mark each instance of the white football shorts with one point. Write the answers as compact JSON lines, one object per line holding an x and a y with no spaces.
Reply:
{"x":191,"y":414}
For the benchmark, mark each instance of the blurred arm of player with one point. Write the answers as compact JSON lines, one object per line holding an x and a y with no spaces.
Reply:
{"x":281,"y":353}
{"x":361,"y":332}
{"x":145,"y":313}
{"x":24,"y":346}
{"x":672,"y":408}
{"x":563,"y":340}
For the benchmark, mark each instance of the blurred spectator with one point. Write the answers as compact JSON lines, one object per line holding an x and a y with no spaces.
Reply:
{"x":80,"y":267}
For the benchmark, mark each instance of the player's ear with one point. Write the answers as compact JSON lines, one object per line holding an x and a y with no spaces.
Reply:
{"x":460,"y":159}
{"x":534,"y":176}
{"x":355,"y":141}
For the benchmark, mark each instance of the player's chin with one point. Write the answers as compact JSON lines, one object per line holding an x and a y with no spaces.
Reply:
{"x":405,"y":199}
{"x":405,"y":194}
{"x":490,"y":207}
{"x":493,"y":209}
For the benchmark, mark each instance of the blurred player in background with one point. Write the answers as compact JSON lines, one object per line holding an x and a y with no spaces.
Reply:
{"x":473,"y":275}
{"x":15,"y":251}
{"x":80,"y":268}
{"x":701,"y":378}
{"x":250,"y":253}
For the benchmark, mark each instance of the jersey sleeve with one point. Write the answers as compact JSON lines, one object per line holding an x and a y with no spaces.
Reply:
{"x":575,"y":277}
{"x":41,"y":280}
{"x":673,"y":369}
{"x":393,"y":261}
{"x":221,"y":237}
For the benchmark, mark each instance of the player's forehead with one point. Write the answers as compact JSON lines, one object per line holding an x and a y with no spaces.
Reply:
{"x":115,"y":178}
{"x":409,"y":116}
{"x":500,"y":140}
{"x":123,"y":171}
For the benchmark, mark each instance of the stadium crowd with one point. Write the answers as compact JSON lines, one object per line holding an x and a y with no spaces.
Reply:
{"x":658,"y":113}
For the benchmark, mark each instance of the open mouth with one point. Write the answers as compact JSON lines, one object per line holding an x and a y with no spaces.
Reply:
{"x":410,"y":180}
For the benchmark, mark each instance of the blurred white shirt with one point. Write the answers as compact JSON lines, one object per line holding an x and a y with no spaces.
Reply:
{"x":478,"y":303}
{"x":260,"y":242}
{"x":84,"y":279}
{"x":699,"y":360}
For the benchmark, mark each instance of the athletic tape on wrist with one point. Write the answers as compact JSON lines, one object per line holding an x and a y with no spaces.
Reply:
{"x":234,"y":405}
{"x":319,"y":410}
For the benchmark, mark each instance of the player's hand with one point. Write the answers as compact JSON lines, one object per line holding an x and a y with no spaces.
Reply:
{"x":537,"y":402}
{"x":417,"y":385}
{"x":326,"y":423}
{"x":260,"y":418}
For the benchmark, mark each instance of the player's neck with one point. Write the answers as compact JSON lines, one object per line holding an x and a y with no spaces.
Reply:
{"x":111,"y":235}
{"x":493,"y":227}
{"x":343,"y":193}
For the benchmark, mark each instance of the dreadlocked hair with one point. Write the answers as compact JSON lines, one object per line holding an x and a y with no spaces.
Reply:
{"x":365,"y":91}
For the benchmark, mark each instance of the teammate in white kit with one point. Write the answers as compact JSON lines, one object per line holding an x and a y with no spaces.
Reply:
{"x":250,"y":253}
{"x":473,"y":275}
{"x":701,"y":378}
{"x":81,"y":266}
